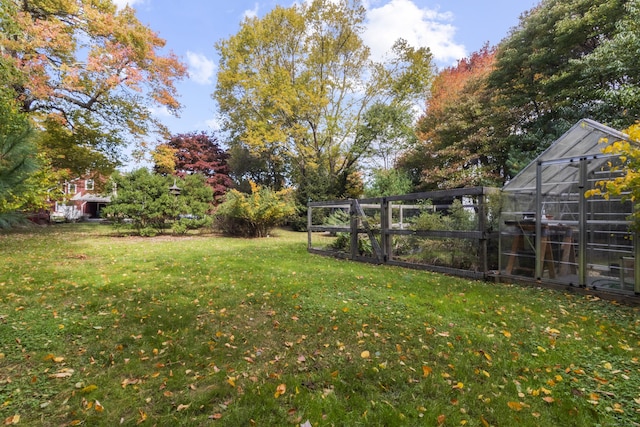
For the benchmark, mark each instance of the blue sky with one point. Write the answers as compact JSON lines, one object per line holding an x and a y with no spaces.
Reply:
{"x":451,"y":29}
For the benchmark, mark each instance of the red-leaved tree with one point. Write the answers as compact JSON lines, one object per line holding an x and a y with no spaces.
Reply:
{"x":200,"y":152}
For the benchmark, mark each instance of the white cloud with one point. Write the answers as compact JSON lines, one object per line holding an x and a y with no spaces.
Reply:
{"x":160,"y":111}
{"x":201,"y":68}
{"x":120,"y":4}
{"x":419,"y":27}
{"x":251,"y":13}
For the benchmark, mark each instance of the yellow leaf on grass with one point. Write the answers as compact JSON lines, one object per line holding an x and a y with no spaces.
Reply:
{"x":231,"y":381}
{"x":280,"y":390}
{"x":506,"y":334}
{"x":548,"y":399}
{"x":365,"y":354}
{"x":608,"y":366}
{"x":12,"y":420}
{"x":143,"y":417}
{"x":89,"y":388}
{"x":182,"y":407}
{"x":516,"y":406}
{"x":426,"y":371}
{"x":98,"y":406}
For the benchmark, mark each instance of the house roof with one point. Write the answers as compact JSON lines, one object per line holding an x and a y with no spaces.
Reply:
{"x":88,"y":197}
{"x":585,"y":139}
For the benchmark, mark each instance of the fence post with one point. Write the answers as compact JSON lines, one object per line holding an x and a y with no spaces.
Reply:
{"x":309,"y":224}
{"x":482,"y":227}
{"x":353,"y":215}
{"x":385,"y":238}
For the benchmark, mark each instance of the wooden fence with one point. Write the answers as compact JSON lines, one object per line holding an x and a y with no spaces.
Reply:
{"x":448,"y":231}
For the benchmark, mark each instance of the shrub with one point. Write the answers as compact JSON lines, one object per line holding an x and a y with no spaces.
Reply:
{"x":143,"y":202}
{"x":255,"y":214}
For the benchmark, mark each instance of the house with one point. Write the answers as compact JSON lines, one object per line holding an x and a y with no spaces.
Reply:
{"x":80,"y":201}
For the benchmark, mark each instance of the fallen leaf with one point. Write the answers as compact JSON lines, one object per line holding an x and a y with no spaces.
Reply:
{"x":143,"y":417}
{"x":64,"y":373}
{"x":548,"y":399}
{"x":129,"y":381}
{"x":183,"y":407}
{"x":426,"y":371}
{"x":441,"y":419}
{"x":98,"y":406}
{"x":516,"y":406}
{"x":89,"y":388}
{"x":365,"y":354}
{"x":280,"y":390}
{"x":15,"y":419}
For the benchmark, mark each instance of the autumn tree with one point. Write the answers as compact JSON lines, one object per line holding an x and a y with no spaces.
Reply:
{"x":457,"y":142}
{"x":295,"y":84}
{"x":87,"y":74}
{"x":196,"y":152}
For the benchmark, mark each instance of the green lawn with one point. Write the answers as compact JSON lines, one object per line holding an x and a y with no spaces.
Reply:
{"x":97,"y":329}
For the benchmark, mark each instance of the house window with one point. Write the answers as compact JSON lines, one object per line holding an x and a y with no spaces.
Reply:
{"x":88,"y":184}
{"x":72,"y":189}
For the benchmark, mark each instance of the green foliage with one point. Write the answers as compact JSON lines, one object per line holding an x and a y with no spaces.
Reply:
{"x":389,"y":182}
{"x":17,"y":163}
{"x":454,"y":252}
{"x":567,"y":60}
{"x":255,"y":214}
{"x":142,"y":199}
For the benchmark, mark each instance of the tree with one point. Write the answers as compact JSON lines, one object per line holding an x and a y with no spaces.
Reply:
{"x":547,"y":77}
{"x":458,"y":144}
{"x":295,"y":84}
{"x":16,"y":165}
{"x":144,"y":199}
{"x":611,"y":72}
{"x":196,"y":152}
{"x":87,"y":73}
{"x":389,"y":182}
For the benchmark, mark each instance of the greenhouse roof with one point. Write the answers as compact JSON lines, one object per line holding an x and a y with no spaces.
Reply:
{"x":585,"y":139}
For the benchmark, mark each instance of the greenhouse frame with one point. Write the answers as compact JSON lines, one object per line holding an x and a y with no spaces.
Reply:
{"x":584,"y":240}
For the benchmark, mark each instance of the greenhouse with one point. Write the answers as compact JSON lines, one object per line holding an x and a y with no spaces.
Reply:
{"x":552,"y":230}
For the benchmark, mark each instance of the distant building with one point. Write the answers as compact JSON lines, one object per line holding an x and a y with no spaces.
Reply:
{"x":80,"y":201}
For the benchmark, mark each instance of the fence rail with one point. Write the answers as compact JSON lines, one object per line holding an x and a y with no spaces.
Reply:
{"x":448,"y":231}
